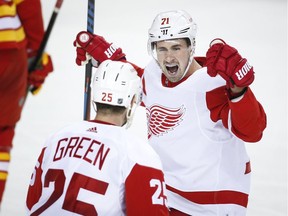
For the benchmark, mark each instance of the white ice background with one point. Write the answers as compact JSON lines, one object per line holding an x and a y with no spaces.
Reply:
{"x":257,"y":28}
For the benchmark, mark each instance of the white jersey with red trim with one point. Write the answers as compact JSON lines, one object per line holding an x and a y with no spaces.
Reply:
{"x":204,"y":163}
{"x":93,"y":168}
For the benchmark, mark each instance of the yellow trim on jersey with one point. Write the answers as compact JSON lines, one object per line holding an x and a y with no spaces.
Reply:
{"x":45,"y":59}
{"x":3,"y":175}
{"x":6,"y":10}
{"x":4,"y":156}
{"x":18,"y":1}
{"x":12,"y":35}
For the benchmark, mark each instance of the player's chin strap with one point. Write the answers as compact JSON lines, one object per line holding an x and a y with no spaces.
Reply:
{"x":129,"y":115}
{"x":94,"y":106}
{"x":190,"y":61}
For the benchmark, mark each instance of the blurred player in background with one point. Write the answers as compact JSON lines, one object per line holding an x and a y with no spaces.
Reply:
{"x":97,"y":167}
{"x":21,"y":32}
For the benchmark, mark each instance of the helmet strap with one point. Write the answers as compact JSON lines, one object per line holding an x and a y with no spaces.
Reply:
{"x":94,"y":106}
{"x":190,"y":62}
{"x":129,"y":115}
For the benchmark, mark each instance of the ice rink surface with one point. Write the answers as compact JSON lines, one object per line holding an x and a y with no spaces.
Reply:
{"x":257,"y":28}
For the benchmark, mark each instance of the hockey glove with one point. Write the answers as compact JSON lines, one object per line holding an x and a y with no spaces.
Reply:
{"x":95,"y":46}
{"x":225,"y":60}
{"x":37,"y":77}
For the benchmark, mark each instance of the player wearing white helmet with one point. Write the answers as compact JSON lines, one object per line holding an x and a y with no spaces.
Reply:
{"x":179,"y":30}
{"x":97,"y":167}
{"x":115,"y":84}
{"x":200,"y":112}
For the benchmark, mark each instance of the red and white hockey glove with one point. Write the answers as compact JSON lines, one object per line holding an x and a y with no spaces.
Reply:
{"x":225,"y":60}
{"x":89,"y":45}
{"x":37,"y":77}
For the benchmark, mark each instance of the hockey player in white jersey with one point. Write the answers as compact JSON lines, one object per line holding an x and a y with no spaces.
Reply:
{"x":200,"y":112}
{"x":96,"y":167}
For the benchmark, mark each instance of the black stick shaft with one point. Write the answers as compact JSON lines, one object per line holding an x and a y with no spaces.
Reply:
{"x":46,"y":36}
{"x":44,"y":41}
{"x":88,"y":69}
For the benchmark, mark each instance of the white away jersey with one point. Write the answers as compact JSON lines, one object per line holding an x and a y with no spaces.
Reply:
{"x":93,"y":168}
{"x":204,"y":163}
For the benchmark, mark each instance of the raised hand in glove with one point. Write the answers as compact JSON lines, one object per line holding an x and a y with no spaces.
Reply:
{"x":225,"y":60}
{"x":89,"y":45}
{"x":37,"y":77}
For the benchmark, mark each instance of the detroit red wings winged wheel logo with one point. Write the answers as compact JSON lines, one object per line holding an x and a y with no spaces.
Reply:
{"x":162,"y":120}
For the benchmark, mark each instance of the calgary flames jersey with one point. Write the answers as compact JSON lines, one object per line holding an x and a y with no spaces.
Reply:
{"x":21,"y":24}
{"x":94,"y":168}
{"x":198,"y":134}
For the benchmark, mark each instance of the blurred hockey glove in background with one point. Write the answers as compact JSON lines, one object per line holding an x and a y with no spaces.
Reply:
{"x":225,"y":60}
{"x":37,"y":77}
{"x":88,"y":45}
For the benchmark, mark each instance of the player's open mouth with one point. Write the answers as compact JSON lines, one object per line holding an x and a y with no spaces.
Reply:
{"x":172,"y":69}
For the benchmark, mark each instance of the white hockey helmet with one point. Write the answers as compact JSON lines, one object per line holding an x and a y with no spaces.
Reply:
{"x":172,"y":25}
{"x":115,"y":83}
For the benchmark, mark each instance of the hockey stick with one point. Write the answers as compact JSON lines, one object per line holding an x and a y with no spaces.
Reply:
{"x":88,"y":69}
{"x":44,"y":41}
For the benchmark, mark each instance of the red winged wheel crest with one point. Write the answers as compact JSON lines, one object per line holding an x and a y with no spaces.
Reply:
{"x":162,"y":120}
